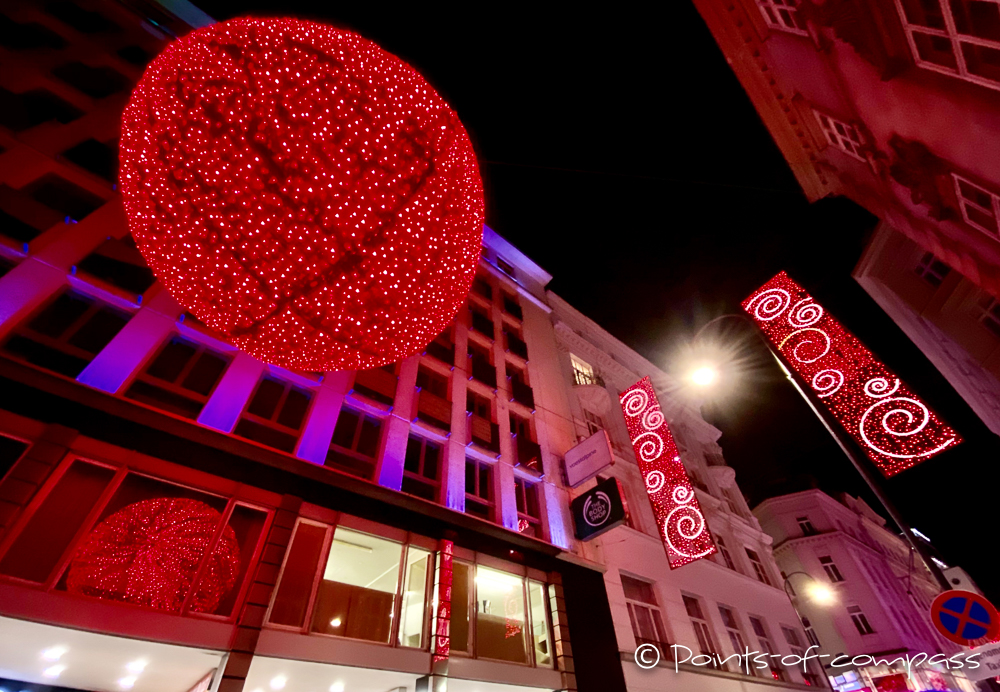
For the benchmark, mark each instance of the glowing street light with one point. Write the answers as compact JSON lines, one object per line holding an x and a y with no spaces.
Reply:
{"x":704,"y":376}
{"x":821,"y":594}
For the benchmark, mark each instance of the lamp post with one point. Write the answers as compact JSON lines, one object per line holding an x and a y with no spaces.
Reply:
{"x":842,"y":441}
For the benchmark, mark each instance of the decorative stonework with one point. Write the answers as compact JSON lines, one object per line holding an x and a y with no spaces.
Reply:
{"x":925,"y":175}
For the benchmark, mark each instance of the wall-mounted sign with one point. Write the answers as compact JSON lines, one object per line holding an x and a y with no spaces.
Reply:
{"x":598,"y":510}
{"x":682,"y":525}
{"x":588,"y":458}
{"x":888,"y":421}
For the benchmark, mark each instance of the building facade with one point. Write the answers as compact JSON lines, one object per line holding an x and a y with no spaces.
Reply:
{"x":176,"y":515}
{"x":894,"y":104}
{"x":882,"y":592}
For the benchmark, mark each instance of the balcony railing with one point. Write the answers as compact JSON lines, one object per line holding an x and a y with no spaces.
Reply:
{"x":516,"y":346}
{"x":528,"y":455}
{"x":378,"y":385}
{"x":483,"y":433}
{"x":434,"y":410}
{"x":587,"y":378}
{"x":483,"y":371}
{"x":443,"y":352}
{"x":521,"y":393}
{"x":482,"y":324}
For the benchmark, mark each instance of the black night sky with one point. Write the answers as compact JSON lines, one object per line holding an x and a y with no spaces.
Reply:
{"x":622,"y":155}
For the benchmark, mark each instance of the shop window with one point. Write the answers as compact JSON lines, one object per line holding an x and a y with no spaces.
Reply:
{"x":479,"y":500}
{"x":860,"y":620}
{"x":541,"y":628}
{"x":153,"y":544}
{"x":644,"y":613}
{"x":768,"y":648}
{"x":706,"y":645}
{"x":180,"y":379}
{"x":511,"y":306}
{"x":724,"y":552}
{"x":96,"y":82}
{"x":17,"y":36}
{"x":59,"y":194}
{"x":784,"y":15}
{"x":932,"y":270}
{"x":980,"y":207}
{"x":732,"y":626}
{"x":758,"y":566}
{"x":529,"y":515}
{"x":19,"y":112}
{"x":806,"y":526}
{"x":10,"y":451}
{"x":412,"y":618}
{"x":66,"y":335}
{"x":135,"y":55}
{"x":97,"y":157}
{"x":831,"y":569}
{"x":355,"y":443}
{"x":421,"y":468}
{"x":119,"y":263}
{"x":275,"y":414}
{"x":356,"y":594}
{"x":84,"y":21}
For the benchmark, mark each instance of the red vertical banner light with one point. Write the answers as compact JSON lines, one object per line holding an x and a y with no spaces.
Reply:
{"x":442,"y":597}
{"x":685,"y":534}
{"x":887,"y":420}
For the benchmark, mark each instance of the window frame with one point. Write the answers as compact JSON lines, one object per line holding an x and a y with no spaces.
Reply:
{"x":860,"y":620}
{"x":700,"y":625}
{"x":521,"y":486}
{"x":362,"y":414}
{"x":760,"y":571}
{"x":856,"y":144}
{"x":766,"y":644}
{"x":725,"y":554}
{"x":989,"y":313}
{"x":289,"y":384}
{"x":830,"y":567}
{"x":735,"y":633}
{"x":773,"y":21}
{"x":964,"y":202}
{"x":491,"y":502}
{"x":418,"y":475}
{"x":928,"y":270}
{"x":654,"y":611}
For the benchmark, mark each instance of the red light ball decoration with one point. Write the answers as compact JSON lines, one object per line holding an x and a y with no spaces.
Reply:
{"x":148,"y":554}
{"x":303,"y":192}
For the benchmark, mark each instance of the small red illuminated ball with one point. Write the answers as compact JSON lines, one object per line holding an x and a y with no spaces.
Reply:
{"x":149,"y":554}
{"x":301,"y":191}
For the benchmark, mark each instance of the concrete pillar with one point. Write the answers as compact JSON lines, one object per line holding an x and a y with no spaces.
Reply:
{"x":560,"y":634}
{"x":389,"y":471}
{"x":28,"y":474}
{"x":453,"y":462}
{"x":230,"y":396}
{"x":318,"y":431}
{"x":130,"y":348}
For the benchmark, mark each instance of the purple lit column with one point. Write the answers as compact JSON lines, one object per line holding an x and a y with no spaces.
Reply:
{"x":389,"y":471}
{"x":230,"y":396}
{"x":318,"y":432}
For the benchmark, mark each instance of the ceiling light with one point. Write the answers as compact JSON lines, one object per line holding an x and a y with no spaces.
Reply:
{"x":337,"y":687}
{"x":278,"y":682}
{"x":335,"y":622}
{"x":137,"y":666}
{"x":128,"y":682}
{"x":54,"y":653}
{"x":53,"y":671}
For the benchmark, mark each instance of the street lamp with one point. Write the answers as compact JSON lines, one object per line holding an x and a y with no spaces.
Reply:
{"x":831,"y":427}
{"x":704,"y":376}
{"x":818,"y":592}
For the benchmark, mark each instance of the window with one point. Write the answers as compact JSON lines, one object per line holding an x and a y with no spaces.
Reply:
{"x":59,"y":194}
{"x":506,"y":267}
{"x":27,"y":36}
{"x":733,"y":502}
{"x":758,"y":566}
{"x":421,"y":468}
{"x":275,"y":414}
{"x":19,"y":112}
{"x":482,"y":287}
{"x":644,"y":614}
{"x":980,"y":207}
{"x":841,"y":135}
{"x":355,"y":443}
{"x":84,"y":21}
{"x":482,"y":431}
{"x":10,"y":451}
{"x":989,"y":313}
{"x":520,"y":390}
{"x":783,"y":14}
{"x":97,"y":157}
{"x":812,"y":678}
{"x":733,"y":630}
{"x":583,"y":372}
{"x":806,"y":526}
{"x":482,"y":369}
{"x":593,"y":421}
{"x":378,"y":384}
{"x":529,"y":516}
{"x":180,"y":378}
{"x":859,"y":620}
{"x":515,"y":342}
{"x":481,"y":321}
{"x":540,"y":627}
{"x":810,"y":632}
{"x":412,"y":618}
{"x":700,"y":624}
{"x":67,"y":334}
{"x":932,"y":270}
{"x":114,"y":557}
{"x":958,"y":37}
{"x":511,"y":306}
{"x":433,"y":406}
{"x":479,"y":488}
{"x":527,"y":452}
{"x":136,"y":55}
{"x":442,"y":348}
{"x":724,"y":552}
{"x":831,"y":569}
{"x":96,"y":82}
{"x":119,"y":264}
{"x":767,"y":647}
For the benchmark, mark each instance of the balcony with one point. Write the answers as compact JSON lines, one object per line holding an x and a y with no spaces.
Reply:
{"x":434,"y":410}
{"x":483,"y":433}
{"x":516,"y":346}
{"x":443,"y":351}
{"x":482,"y":324}
{"x":591,"y":391}
{"x":521,"y":393}
{"x":483,"y":371}
{"x":587,"y":378}
{"x":528,"y":456}
{"x":378,"y":385}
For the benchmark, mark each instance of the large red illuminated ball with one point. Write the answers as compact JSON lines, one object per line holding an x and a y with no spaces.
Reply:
{"x":149,"y":553}
{"x":303,"y":192}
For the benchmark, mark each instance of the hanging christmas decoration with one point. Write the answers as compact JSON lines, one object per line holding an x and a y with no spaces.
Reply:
{"x":682,"y":525}
{"x":303,"y":192}
{"x":888,"y":421}
{"x":148,"y":554}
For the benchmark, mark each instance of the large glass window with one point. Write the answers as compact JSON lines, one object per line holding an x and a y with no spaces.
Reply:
{"x":412,"y":619}
{"x":500,"y":616}
{"x":541,"y":640}
{"x":180,"y":379}
{"x":421,"y":468}
{"x":355,"y":443}
{"x":275,"y":414}
{"x":644,"y":612}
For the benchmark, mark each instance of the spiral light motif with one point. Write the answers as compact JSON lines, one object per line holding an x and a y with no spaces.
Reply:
{"x":890,"y":425}
{"x":682,"y":495}
{"x":806,"y":341}
{"x":770,"y":304}
{"x":634,"y":402}
{"x":652,"y":419}
{"x":805,"y":313}
{"x":827,"y":382}
{"x":878,"y":388}
{"x":688,"y":523}
{"x":655,"y":481}
{"x":649,"y":448}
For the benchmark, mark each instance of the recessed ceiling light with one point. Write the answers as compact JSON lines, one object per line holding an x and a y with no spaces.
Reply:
{"x":278,"y":682}
{"x":53,"y":671}
{"x":137,"y":666}
{"x":127,"y":683}
{"x":54,"y":653}
{"x":337,"y":687}
{"x":335,"y":622}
